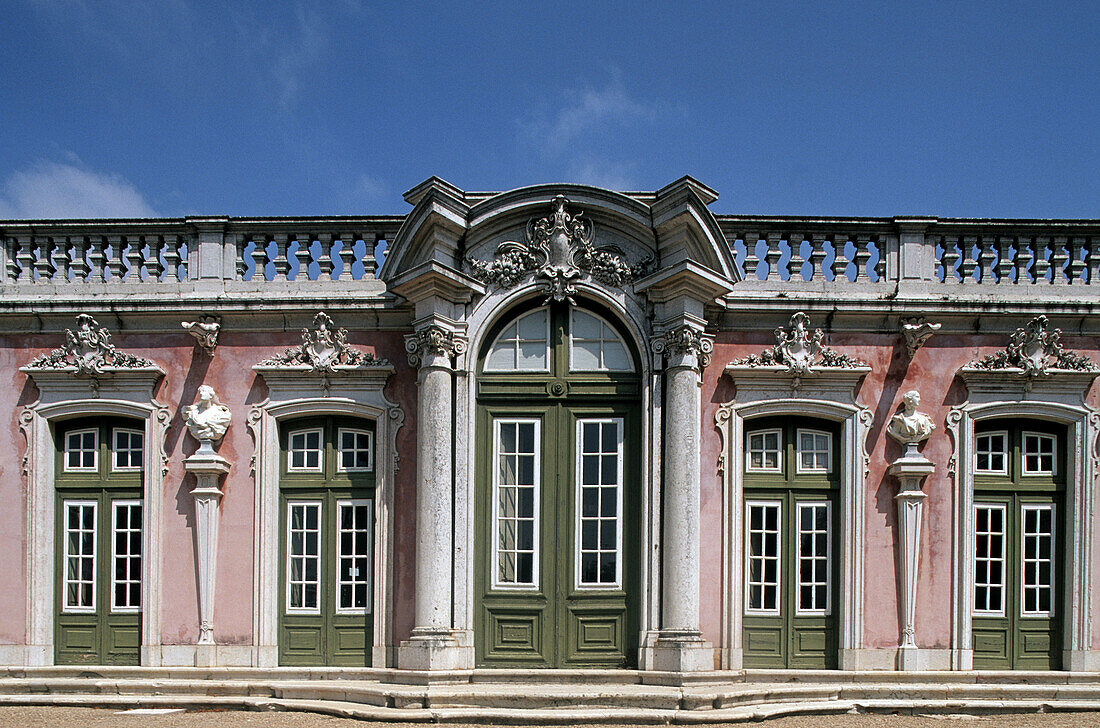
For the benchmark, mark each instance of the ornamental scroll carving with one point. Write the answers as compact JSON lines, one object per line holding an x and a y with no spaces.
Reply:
{"x":323,"y":349}
{"x":684,"y":340}
{"x":558,"y":249}
{"x":433,"y":340}
{"x":1037,"y":351}
{"x":800,"y":350}
{"x":87,"y":351}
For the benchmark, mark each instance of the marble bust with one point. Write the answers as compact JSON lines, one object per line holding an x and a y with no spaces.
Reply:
{"x":910,"y":427}
{"x":207,"y":419}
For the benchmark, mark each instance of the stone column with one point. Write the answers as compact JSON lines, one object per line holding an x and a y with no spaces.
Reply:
{"x":434,"y":645}
{"x":910,"y":429}
{"x":680,"y":645}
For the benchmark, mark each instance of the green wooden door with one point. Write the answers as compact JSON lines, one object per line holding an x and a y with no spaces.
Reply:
{"x":98,"y":542}
{"x":790,"y":516}
{"x":558,"y":504}
{"x":1017,"y":526}
{"x":326,"y":543}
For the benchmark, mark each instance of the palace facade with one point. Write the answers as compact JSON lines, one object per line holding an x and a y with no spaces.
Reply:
{"x":555,"y":427}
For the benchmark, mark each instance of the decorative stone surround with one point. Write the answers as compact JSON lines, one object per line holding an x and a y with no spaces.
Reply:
{"x":558,"y":249}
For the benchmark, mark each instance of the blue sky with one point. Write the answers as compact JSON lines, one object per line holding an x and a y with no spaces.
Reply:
{"x":179,"y":107}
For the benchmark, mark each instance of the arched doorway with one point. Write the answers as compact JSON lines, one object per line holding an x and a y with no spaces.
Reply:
{"x":558,"y":471}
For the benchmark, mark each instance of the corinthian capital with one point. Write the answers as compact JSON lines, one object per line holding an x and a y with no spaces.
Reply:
{"x":433,"y":341}
{"x":682,"y":341}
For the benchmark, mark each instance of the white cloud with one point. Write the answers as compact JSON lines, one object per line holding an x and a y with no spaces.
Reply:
{"x":605,"y":173}
{"x":590,"y":111}
{"x":56,"y":190}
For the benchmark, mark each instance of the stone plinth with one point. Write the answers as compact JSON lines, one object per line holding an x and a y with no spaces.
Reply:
{"x":910,"y":470}
{"x":208,"y":468}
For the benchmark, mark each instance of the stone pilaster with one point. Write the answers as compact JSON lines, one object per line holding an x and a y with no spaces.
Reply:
{"x":679,"y":645}
{"x":434,"y":645}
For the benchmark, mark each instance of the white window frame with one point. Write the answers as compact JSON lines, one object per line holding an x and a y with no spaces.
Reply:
{"x":320,"y":451}
{"x":95,"y":452}
{"x":65,"y":606}
{"x":515,"y":348}
{"x":115,"y":609}
{"x":353,"y":502}
{"x":320,"y":557}
{"x":1005,"y":566}
{"x":799,"y":469}
{"x":749,"y":609}
{"x":1006,"y":453}
{"x":778,"y":431}
{"x":340,"y":450}
{"x":1024,"y":507}
{"x":797,"y":556}
{"x":1053,"y":472}
{"x":577,"y":583}
{"x":114,"y":450}
{"x":614,"y":331}
{"x":537,"y":509}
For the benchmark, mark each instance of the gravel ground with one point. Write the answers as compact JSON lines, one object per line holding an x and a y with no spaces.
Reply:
{"x":46,"y":717}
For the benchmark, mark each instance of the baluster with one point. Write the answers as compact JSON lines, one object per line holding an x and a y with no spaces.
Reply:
{"x":25,"y":256}
{"x":880,"y":264}
{"x":773,"y":254}
{"x":840,"y":259}
{"x":43,"y":268}
{"x":241,"y":263}
{"x":794,"y":263}
{"x":1076,"y":260}
{"x":967,"y":263}
{"x":259,"y":255}
{"x":134,"y":257}
{"x":60,"y":256}
{"x":282,"y":263}
{"x":1042,"y":265}
{"x":77,"y":264}
{"x":1004,"y":259}
{"x":11,"y":246}
{"x":115,"y":264}
{"x":817,"y":256}
{"x":347,"y":256}
{"x":862,"y":255}
{"x":97,"y":258}
{"x":153,"y":267}
{"x":1094,"y":261}
{"x":752,"y":263}
{"x":950,"y":245}
{"x":1058,"y":259}
{"x":370,"y":263}
{"x":1024,"y":256}
{"x":986,"y":257}
{"x":324,"y":263}
{"x":172,"y":258}
{"x":305,"y":257}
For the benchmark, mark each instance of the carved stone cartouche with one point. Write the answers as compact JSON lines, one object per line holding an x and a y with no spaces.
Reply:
{"x":916,"y":332}
{"x":558,"y":249}
{"x":87,"y":351}
{"x":205,"y":331}
{"x":800,"y":350}
{"x":1036,"y":351}
{"x":323,"y":349}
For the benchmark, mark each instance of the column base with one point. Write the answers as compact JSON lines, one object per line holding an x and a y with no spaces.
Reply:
{"x":206,"y":655}
{"x":676,"y":651}
{"x":435,"y":650}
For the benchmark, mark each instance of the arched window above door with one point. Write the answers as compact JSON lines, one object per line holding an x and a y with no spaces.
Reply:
{"x":595,"y":346}
{"x":523,"y":345}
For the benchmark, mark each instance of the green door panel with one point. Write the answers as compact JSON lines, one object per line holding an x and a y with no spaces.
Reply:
{"x":515,"y":635}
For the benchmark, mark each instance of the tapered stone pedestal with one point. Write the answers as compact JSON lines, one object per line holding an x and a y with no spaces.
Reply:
{"x":910,"y":470}
{"x":208,"y":468}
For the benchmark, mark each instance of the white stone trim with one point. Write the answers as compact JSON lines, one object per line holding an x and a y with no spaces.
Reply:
{"x":61,"y":397}
{"x":295,"y":394}
{"x":1002,"y":397}
{"x":830,"y":397}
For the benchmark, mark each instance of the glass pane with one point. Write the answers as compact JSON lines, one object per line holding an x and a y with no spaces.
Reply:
{"x":615,"y":357}
{"x":586,"y":355}
{"x":533,"y":325}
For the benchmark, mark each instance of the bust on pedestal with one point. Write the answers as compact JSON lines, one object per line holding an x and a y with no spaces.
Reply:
{"x":910,"y":428}
{"x":207,"y":420}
